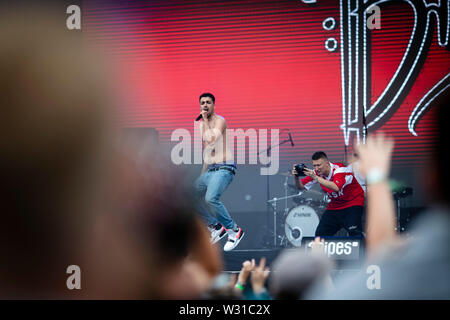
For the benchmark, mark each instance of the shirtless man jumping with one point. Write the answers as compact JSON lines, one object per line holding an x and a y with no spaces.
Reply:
{"x":217,"y":173}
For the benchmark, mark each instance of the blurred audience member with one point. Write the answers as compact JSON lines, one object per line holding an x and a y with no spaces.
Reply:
{"x":159,"y":209}
{"x":247,"y":268}
{"x":413,"y":268}
{"x":223,"y":288}
{"x":294,"y":272}
{"x":353,"y":163}
{"x":53,"y":151}
{"x":70,"y":194}
{"x":258,"y":275}
{"x":258,"y":280}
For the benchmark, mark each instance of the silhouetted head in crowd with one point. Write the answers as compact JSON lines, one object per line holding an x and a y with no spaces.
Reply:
{"x":294,"y":272}
{"x":52,"y":155}
{"x":69,"y":195}
{"x":163,"y":217}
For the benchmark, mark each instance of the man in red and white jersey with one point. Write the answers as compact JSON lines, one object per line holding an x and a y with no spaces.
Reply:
{"x":346,"y":194}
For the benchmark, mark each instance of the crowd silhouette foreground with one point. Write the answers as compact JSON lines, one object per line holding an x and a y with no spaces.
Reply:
{"x":76,"y":190}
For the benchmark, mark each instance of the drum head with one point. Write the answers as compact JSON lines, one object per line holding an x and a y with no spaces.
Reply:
{"x":300,"y":222}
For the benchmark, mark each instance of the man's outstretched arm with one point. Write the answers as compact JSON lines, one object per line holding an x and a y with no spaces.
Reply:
{"x":329,"y":184}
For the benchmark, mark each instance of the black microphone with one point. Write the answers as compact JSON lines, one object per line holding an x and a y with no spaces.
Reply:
{"x":199,"y":117}
{"x":290,"y":138}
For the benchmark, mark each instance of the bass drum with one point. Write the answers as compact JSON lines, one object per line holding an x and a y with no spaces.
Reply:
{"x":300,"y":222}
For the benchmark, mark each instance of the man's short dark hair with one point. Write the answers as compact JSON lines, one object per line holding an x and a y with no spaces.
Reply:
{"x":319,"y":155}
{"x":207,"y":94}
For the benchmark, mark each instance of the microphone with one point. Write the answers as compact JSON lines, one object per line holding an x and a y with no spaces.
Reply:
{"x":290,"y":138}
{"x":200,"y":116}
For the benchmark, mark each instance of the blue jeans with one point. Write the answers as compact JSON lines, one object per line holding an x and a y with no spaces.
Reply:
{"x":209,"y":187}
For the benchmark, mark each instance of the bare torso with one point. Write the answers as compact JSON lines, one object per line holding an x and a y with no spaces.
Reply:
{"x":214,"y":137}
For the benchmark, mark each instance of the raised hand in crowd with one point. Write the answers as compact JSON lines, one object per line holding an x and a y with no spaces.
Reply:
{"x":318,"y":246}
{"x":259,"y":276}
{"x":375,"y":163}
{"x":247,"y":268}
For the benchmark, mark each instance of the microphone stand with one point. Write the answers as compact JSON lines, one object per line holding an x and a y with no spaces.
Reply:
{"x":268,"y":151}
{"x":364,"y":124}
{"x":365,"y":132}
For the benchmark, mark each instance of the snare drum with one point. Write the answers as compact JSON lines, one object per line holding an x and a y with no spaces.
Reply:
{"x":301,"y":221}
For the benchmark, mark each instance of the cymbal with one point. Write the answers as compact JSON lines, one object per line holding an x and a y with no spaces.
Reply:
{"x":315,"y":192}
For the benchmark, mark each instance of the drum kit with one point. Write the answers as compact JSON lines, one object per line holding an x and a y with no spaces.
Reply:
{"x":300,"y":219}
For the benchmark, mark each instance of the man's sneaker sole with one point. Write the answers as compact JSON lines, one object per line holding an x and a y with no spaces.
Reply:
{"x":235,"y":243}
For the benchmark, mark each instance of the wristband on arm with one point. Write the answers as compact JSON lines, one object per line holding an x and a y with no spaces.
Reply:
{"x":239,"y":286}
{"x":375,"y":175}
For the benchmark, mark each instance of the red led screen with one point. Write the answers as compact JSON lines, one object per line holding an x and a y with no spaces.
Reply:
{"x":316,"y":69}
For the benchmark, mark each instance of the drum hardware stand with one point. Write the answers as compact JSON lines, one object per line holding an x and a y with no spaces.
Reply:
{"x":268,"y":150}
{"x":273,"y":203}
{"x":286,"y":209}
{"x":285,"y":195}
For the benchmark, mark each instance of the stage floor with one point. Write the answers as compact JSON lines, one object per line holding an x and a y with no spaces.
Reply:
{"x":233,"y":259}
